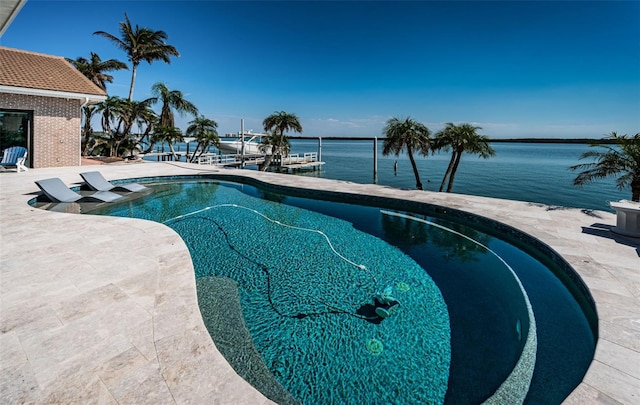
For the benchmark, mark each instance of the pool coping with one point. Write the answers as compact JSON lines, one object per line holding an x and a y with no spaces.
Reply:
{"x":116,"y":317}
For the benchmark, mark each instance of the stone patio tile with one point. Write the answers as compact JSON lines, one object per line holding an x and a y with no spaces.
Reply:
{"x":11,"y":353}
{"x":142,"y":285}
{"x":173,"y":318}
{"x":191,"y":381}
{"x":18,"y":385}
{"x":614,"y":383}
{"x":585,"y":394}
{"x":28,"y":318}
{"x":143,"y":385}
{"x":77,"y":387}
{"x":113,"y":370}
{"x":619,"y":357}
{"x":86,"y":303}
{"x":611,"y":286}
{"x":621,"y":335}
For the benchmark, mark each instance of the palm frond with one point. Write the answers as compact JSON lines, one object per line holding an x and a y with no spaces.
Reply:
{"x":621,"y":159}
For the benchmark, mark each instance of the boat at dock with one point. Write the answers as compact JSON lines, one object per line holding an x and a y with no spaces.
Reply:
{"x":247,"y":143}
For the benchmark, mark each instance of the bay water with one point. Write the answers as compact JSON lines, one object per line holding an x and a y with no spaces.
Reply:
{"x":533,"y":172}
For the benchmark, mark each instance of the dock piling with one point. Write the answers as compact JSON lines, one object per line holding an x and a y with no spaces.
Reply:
{"x":375,"y":160}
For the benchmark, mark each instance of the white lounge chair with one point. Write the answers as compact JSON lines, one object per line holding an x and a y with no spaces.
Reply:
{"x":97,"y":182}
{"x":57,"y":191}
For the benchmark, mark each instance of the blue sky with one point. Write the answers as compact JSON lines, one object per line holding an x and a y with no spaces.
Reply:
{"x":517,"y":69}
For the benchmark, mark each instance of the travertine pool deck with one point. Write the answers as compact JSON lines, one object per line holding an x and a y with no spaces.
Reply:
{"x":104,"y":310}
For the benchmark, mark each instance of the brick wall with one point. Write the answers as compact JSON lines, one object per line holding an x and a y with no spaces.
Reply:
{"x":56,"y":128}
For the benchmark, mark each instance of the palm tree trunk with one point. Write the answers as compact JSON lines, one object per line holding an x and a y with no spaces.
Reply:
{"x":198,"y":148}
{"x":453,"y":171}
{"x":448,"y":172}
{"x":200,"y":154}
{"x":149,"y":148}
{"x":147,"y":137}
{"x":415,"y":169}
{"x":192,"y":156}
{"x":87,"y":130}
{"x":267,"y":162}
{"x":173,"y":152}
{"x":133,"y":81}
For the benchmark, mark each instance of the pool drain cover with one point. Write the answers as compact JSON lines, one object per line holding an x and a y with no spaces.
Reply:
{"x":374,"y":346}
{"x":403,"y":287}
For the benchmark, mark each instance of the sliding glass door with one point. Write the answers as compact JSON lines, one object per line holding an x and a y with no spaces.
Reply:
{"x":16,"y":129}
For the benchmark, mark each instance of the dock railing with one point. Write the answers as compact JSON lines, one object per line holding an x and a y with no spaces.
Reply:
{"x":297,"y":159}
{"x":216,"y":159}
{"x":291,"y":162}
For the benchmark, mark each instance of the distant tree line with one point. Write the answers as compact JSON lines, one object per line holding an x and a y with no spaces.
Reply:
{"x":605,"y":140}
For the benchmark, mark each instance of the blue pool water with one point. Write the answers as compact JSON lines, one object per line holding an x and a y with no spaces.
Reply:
{"x":479,"y":319}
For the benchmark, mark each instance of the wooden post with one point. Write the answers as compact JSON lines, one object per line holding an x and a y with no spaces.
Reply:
{"x":375,"y":160}
{"x":319,"y":149}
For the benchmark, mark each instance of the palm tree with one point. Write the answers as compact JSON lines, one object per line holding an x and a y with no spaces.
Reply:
{"x":170,"y":135}
{"x":101,"y":144}
{"x":621,"y":160}
{"x":406,"y":134}
{"x":171,"y":99}
{"x":87,"y":130}
{"x":132,"y":113}
{"x":206,"y":133}
{"x":108,"y":108}
{"x":120,"y":115}
{"x":141,"y":44}
{"x":146,"y":120}
{"x":274,"y":144}
{"x":114,"y":113}
{"x":460,"y":139}
{"x":95,"y":70}
{"x":276,"y":125}
{"x":147,"y":136}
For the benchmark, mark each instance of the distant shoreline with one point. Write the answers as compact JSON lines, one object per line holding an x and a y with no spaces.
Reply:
{"x":509,"y":140}
{"x":555,"y":140}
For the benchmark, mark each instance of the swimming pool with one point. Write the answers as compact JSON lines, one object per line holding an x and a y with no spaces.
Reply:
{"x":462,"y":312}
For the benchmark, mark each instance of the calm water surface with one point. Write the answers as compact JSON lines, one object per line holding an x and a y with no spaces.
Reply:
{"x":527,"y":172}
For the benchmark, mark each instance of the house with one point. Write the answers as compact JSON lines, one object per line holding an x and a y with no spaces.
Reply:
{"x":41,"y":100}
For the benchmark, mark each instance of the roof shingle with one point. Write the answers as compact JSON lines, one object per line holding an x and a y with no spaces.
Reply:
{"x":32,"y":70}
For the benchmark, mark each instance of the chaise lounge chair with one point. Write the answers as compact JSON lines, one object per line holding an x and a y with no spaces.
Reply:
{"x":57,"y":191}
{"x":97,"y":182}
{"x":14,"y":156}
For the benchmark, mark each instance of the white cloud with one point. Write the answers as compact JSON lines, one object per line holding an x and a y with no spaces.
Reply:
{"x":349,"y":127}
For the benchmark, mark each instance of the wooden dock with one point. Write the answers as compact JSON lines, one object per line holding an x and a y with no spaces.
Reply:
{"x":164,"y":156}
{"x":288,"y":164}
{"x":296,"y":163}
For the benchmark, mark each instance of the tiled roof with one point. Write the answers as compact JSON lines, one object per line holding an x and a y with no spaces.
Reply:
{"x":43,"y":72}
